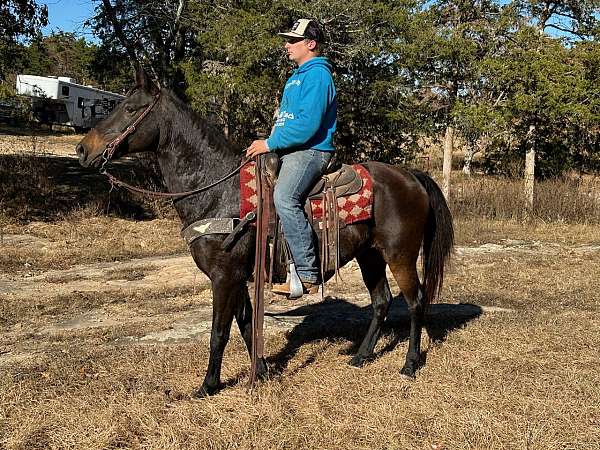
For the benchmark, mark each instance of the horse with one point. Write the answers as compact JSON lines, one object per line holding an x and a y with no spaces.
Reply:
{"x":409,"y":213}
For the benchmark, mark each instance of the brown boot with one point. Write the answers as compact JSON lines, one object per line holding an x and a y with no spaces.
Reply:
{"x":284,"y":288}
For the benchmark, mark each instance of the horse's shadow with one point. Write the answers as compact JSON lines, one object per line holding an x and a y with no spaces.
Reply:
{"x":336,"y":319}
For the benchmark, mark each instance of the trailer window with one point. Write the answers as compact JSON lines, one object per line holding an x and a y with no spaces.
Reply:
{"x":80,"y":102}
{"x":65,"y":90}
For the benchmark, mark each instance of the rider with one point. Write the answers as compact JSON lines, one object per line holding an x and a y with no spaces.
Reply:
{"x":303,"y":138}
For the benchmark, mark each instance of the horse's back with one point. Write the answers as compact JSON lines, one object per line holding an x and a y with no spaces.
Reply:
{"x":397,"y":186}
{"x":400,"y":207}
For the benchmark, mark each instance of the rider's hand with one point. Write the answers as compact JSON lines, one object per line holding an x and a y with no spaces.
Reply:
{"x":256,"y":148}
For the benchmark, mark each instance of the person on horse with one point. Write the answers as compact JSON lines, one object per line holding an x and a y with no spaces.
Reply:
{"x":303,"y":138}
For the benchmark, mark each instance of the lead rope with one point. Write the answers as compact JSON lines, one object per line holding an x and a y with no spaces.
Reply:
{"x":324,"y":243}
{"x":262,"y":218}
{"x":336,"y":231}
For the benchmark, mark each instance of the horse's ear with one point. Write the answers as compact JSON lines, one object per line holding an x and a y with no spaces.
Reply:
{"x":142,"y":80}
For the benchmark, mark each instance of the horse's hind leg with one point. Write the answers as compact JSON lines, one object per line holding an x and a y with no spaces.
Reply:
{"x":408,"y":282}
{"x":243,"y":316}
{"x":372,"y":266}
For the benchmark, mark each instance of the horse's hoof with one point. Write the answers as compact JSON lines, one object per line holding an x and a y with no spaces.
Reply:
{"x":408,"y":373}
{"x":263,"y":371}
{"x":357,"y":361}
{"x":203,"y":392}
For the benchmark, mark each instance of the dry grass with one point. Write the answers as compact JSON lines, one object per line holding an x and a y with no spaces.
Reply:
{"x":474,"y":231}
{"x":80,"y":239}
{"x":17,"y":140}
{"x":522,"y":379}
{"x":527,"y":378}
{"x":40,"y":179}
{"x":569,"y":200}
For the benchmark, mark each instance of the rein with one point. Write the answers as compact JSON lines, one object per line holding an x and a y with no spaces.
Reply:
{"x":110,"y":149}
{"x":178,"y":195}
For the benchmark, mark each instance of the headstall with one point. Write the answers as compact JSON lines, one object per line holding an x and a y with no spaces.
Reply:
{"x":114,"y":144}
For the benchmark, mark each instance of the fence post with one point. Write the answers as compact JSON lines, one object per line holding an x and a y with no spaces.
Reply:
{"x":447,"y":168}
{"x":530,"y":173}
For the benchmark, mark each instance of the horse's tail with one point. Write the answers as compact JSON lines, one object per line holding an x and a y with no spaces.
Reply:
{"x":439,"y":238}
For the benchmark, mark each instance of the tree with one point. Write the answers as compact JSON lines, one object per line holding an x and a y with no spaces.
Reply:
{"x":19,"y":19}
{"x":404,"y":69}
{"x":152,"y":33}
{"x":453,"y":36}
{"x":541,"y":101}
{"x":60,"y":54}
{"x":238,"y":69}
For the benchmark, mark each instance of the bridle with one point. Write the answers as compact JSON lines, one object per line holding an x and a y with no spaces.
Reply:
{"x":112,"y":146}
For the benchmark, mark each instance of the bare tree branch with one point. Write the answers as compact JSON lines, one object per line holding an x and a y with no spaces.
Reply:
{"x":112,"y":16}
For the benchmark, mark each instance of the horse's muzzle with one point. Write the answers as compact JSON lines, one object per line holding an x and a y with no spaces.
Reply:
{"x":82,"y":154}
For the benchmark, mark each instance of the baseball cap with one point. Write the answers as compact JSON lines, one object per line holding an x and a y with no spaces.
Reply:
{"x":305,"y":28}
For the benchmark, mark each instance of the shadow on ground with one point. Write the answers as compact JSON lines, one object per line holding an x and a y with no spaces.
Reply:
{"x":46,"y":187}
{"x":337,"y":319}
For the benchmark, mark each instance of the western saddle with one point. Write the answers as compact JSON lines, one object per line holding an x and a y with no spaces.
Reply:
{"x":338,"y":180}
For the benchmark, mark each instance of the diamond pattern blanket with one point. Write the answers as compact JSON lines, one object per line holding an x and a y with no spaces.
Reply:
{"x":351,"y":208}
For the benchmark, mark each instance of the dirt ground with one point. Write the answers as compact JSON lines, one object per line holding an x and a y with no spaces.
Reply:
{"x":104,"y":327}
{"x":16,"y":140}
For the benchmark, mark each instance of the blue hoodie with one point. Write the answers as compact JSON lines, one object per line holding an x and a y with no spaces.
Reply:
{"x":308,"y":109}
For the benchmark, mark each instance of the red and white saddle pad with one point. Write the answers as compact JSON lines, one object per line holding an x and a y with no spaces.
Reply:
{"x":351,"y":208}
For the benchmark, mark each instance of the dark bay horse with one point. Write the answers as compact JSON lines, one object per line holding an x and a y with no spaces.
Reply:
{"x":409,"y":211}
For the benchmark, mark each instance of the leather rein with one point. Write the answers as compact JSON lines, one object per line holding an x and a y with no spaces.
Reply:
{"x":110,"y":149}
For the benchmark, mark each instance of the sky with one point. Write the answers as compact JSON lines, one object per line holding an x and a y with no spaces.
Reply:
{"x":69,"y":15}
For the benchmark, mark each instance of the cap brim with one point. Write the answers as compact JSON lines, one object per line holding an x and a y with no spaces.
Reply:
{"x":290,"y":34}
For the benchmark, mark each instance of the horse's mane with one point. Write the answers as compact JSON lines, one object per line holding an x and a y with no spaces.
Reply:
{"x":191,"y":128}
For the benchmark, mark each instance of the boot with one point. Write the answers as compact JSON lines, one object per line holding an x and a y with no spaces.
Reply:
{"x":284,"y":288}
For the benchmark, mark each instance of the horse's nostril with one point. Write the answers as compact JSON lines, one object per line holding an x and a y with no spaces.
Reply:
{"x":79,"y":150}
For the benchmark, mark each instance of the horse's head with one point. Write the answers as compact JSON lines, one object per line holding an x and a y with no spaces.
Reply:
{"x":141,"y":100}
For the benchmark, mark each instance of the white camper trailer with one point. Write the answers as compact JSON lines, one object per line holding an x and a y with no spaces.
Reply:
{"x":59,"y":100}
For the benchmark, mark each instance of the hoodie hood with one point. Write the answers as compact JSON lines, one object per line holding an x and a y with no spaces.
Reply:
{"x":313,"y":62}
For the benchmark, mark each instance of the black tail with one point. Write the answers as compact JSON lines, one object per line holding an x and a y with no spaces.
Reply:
{"x":439,"y":238}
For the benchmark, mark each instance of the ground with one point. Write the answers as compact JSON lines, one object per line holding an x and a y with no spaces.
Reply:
{"x":104,"y":332}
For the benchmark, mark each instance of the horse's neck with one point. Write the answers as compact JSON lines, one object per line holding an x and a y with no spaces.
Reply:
{"x":191,"y":157}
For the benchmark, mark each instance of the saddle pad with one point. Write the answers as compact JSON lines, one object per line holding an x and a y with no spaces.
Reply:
{"x":351,"y":208}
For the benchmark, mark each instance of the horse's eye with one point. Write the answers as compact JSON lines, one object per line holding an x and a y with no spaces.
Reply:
{"x":130,"y":109}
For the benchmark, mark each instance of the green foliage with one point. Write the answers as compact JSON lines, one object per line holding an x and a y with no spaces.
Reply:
{"x":238,"y":74}
{"x":60,"y":54}
{"x":541,"y":95}
{"x":19,"y":20}
{"x":153,"y":33}
{"x":509,"y":77}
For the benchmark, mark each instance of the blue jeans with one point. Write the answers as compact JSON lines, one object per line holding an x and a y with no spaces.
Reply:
{"x":299,"y":172}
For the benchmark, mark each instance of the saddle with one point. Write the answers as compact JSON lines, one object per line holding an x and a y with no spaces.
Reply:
{"x":341,"y":196}
{"x":337,"y":180}
{"x":341,"y":178}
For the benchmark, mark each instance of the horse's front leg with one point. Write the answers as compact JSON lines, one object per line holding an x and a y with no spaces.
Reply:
{"x":226,"y":299}
{"x":243,"y":317}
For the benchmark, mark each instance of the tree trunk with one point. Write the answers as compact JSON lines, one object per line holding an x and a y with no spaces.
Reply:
{"x":120,"y":34}
{"x":530,"y":173}
{"x":468,"y":159}
{"x":225,"y":112}
{"x":529,"y":180}
{"x":447,"y":168}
